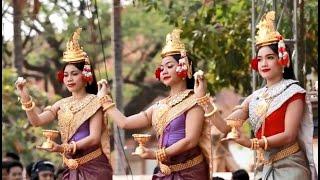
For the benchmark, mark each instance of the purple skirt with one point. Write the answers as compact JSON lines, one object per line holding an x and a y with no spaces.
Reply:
{"x":97,"y":169}
{"x":199,"y":171}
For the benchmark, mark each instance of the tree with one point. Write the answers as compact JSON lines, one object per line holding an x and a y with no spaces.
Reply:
{"x":17,"y":17}
{"x":117,"y":55}
{"x":216,"y":43}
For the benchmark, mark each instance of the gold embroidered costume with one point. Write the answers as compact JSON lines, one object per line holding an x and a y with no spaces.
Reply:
{"x":168,"y":119}
{"x":269,"y":104}
{"x":73,"y":116}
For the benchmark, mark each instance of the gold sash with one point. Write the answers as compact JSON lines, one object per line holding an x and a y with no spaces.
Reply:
{"x":69,"y":122}
{"x":163,"y":114}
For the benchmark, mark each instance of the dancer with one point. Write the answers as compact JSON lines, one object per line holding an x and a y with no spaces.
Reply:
{"x":183,"y":134}
{"x":279,"y":113}
{"x":85,"y":150}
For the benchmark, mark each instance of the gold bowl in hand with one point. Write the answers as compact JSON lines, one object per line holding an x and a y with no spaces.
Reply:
{"x":141,"y":139}
{"x":235,"y":124}
{"x":50,"y":135}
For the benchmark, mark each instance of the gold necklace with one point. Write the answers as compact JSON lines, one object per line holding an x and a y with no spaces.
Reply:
{"x":177,"y":98}
{"x":165,"y":105}
{"x":72,"y":107}
{"x":263,"y":105}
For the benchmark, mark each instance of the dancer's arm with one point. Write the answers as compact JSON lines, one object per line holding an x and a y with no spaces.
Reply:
{"x":35,"y":118}
{"x":200,"y":89}
{"x":140,"y":120}
{"x":95,"y":128}
{"x":194,"y":122}
{"x":293,"y":117}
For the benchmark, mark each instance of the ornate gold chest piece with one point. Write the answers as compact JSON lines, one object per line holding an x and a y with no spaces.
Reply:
{"x":66,"y":115}
{"x":262,"y":106}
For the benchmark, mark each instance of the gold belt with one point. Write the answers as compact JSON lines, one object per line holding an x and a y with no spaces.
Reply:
{"x":74,"y":163}
{"x":283,"y":153}
{"x":165,"y":169}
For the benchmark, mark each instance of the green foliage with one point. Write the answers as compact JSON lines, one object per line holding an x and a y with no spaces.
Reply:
{"x":17,"y":135}
{"x":216,"y":43}
{"x":311,"y":17}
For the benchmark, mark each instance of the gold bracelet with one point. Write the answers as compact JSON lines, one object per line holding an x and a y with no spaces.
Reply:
{"x":105,"y":99}
{"x":161,"y":155}
{"x":108,"y":107}
{"x":67,"y":148}
{"x":203,"y":101}
{"x":26,"y":103}
{"x":63,"y":149}
{"x":212,"y":112}
{"x":28,"y":108}
{"x":265,"y":142}
{"x":255,"y":144}
{"x":74,"y":149}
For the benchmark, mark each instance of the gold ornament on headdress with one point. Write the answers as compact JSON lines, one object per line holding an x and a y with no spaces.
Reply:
{"x":267,"y":33}
{"x":74,"y":52}
{"x":174,"y":45}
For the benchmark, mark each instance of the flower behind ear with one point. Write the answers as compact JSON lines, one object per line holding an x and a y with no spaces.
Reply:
{"x":254,"y":63}
{"x":60,"y":76}
{"x":86,"y":74}
{"x":157,"y":73}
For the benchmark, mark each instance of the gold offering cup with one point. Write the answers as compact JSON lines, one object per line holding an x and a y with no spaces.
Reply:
{"x":141,"y":139}
{"x":50,"y":135}
{"x":233,"y":134}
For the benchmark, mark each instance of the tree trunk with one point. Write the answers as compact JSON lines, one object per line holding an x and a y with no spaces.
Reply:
{"x":301,"y":45}
{"x":17,"y":57}
{"x":117,"y":54}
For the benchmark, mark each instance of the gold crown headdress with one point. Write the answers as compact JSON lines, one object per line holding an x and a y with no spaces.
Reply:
{"x":174,"y":45}
{"x":267,"y":33}
{"x":74,"y":52}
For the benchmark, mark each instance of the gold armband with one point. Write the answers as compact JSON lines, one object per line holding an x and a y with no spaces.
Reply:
{"x":26,"y":103}
{"x":106,"y":107}
{"x":203,"y":101}
{"x":74,"y":148}
{"x":161,"y":155}
{"x":105,"y":99}
{"x":28,"y":108}
{"x":254,"y":144}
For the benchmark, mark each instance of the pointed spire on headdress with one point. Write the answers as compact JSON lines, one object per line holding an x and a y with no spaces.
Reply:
{"x":174,"y":45}
{"x":74,"y":52}
{"x":267,"y":33}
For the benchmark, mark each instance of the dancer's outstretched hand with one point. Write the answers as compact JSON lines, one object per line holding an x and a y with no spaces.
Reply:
{"x":56,"y":147}
{"x":200,"y":85}
{"x":21,"y":88}
{"x":147,"y":154}
{"x":103,"y":88}
{"x":243,"y":139}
